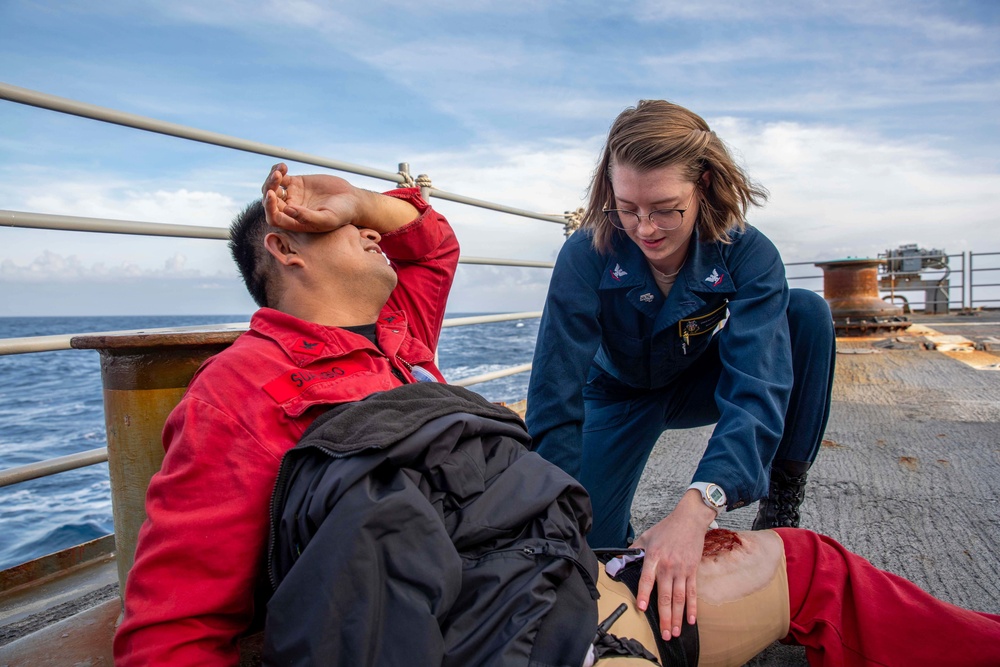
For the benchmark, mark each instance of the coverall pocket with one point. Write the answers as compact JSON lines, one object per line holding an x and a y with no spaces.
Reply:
{"x":628,"y":354}
{"x":606,"y":401}
{"x":603,"y":414}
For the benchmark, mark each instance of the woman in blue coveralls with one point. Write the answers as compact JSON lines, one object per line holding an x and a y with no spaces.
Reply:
{"x":666,"y":310}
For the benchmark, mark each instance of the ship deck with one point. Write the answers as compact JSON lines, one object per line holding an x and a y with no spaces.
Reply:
{"x":909,"y":470}
{"x":907,"y":477}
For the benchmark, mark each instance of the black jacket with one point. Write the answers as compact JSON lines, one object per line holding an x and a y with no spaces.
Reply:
{"x":395,"y":540}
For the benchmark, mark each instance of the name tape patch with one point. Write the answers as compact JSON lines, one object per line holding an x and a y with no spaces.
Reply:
{"x":293,"y":383}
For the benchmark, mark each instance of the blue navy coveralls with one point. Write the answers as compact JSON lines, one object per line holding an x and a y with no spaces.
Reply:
{"x":616,"y":364}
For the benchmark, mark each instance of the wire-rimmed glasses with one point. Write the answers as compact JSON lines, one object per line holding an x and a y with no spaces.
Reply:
{"x":664,"y":219}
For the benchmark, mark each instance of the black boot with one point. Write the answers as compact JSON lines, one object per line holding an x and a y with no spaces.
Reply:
{"x":781,"y":507}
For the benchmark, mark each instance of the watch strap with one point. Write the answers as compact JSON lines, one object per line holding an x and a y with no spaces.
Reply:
{"x":713,"y":495}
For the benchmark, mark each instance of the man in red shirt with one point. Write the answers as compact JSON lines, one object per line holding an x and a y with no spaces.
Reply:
{"x":352,"y":287}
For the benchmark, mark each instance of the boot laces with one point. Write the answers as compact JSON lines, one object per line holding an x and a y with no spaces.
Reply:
{"x":786,"y":496}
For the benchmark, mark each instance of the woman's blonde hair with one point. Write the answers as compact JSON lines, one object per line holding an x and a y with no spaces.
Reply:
{"x":657,"y":133}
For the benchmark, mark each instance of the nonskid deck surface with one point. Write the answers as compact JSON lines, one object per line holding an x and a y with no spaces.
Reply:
{"x":909,"y":471}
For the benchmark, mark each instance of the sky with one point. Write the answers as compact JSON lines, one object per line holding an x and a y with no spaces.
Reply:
{"x":872,"y":124}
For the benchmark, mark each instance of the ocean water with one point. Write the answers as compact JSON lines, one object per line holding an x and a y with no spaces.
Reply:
{"x":51,"y":405}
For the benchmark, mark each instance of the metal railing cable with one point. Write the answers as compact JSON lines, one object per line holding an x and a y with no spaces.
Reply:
{"x":24,"y":473}
{"x":486,"y":319}
{"x":52,"y":466}
{"x":22,"y":219}
{"x":72,"y":223}
{"x":495,"y":375}
{"x":17,"y":474}
{"x":60,"y":464}
{"x":106,"y":115}
{"x":58,"y":342}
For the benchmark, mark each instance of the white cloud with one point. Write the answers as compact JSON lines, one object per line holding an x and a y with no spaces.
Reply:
{"x":52,"y":266}
{"x":77,"y":194}
{"x":546,"y":177}
{"x":835,"y":191}
{"x":498,"y":289}
{"x":838,"y":192}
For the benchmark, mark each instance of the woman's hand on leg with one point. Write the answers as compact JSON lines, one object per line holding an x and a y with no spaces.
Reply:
{"x":673,"y":551}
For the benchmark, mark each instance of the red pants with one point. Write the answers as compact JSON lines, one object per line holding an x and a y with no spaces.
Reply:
{"x":845,"y":611}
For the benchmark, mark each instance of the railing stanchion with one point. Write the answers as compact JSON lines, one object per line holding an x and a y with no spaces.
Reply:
{"x":972,"y":303}
{"x":965,"y":278}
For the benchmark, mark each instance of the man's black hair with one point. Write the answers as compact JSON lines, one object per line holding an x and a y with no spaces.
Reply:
{"x":246,"y":243}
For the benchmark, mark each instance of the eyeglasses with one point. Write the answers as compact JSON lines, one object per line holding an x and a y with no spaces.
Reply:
{"x":664,"y":219}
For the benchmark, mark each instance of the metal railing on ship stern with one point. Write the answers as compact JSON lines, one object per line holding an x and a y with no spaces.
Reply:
{"x":134,"y":449}
{"x":145,"y":443}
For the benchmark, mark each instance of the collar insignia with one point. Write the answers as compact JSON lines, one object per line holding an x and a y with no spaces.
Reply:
{"x":646,"y":298}
{"x":619,"y":272}
{"x":311,"y":348}
{"x":714,"y":278}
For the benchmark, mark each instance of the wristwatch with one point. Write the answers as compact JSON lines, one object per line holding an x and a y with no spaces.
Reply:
{"x":712,"y":495}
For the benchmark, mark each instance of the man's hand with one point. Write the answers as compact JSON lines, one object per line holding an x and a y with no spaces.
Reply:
{"x":323,"y":203}
{"x":673,"y":551}
{"x":317,"y":203}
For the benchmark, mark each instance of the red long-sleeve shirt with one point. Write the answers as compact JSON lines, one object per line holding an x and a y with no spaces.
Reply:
{"x":201,"y":550}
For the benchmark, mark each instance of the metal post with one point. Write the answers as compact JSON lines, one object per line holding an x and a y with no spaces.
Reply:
{"x":972,"y":302}
{"x":144,"y":376}
{"x":964,"y":281}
